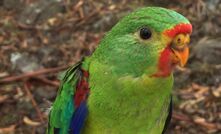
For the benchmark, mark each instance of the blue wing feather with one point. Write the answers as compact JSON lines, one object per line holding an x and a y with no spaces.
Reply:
{"x":78,"y":118}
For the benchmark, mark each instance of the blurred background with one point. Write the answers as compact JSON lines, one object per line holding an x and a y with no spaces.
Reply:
{"x":41,"y":38}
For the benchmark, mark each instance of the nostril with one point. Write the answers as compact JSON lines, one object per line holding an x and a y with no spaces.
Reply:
{"x":178,"y":40}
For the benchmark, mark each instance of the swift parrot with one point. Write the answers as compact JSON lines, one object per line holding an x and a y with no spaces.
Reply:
{"x":125,"y":86}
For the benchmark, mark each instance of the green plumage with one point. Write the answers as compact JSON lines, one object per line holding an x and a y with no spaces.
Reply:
{"x":123,"y":98}
{"x":126,"y":104}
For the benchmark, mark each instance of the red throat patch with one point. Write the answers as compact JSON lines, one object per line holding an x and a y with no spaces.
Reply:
{"x":164,"y":64}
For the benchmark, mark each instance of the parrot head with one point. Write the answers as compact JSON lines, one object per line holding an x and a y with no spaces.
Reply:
{"x":150,"y":41}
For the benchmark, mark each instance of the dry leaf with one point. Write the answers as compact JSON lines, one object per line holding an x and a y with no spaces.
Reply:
{"x":3,"y":98}
{"x":202,"y":121}
{"x":52,"y":21}
{"x":3,"y":74}
{"x":8,"y":130}
{"x":29,"y":122}
{"x":217,"y":92}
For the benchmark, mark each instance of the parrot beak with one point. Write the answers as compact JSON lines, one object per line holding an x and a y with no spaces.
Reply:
{"x":180,"y":49}
{"x":180,"y":57}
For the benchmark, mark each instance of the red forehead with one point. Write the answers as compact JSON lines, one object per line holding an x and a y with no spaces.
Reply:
{"x":180,"y":28}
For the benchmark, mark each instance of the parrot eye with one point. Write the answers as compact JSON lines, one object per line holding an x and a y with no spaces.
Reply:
{"x":145,"y":33}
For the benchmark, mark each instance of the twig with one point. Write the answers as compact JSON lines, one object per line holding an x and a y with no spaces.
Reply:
{"x":33,"y":102}
{"x":78,"y":5}
{"x":34,"y":130}
{"x":47,"y":81}
{"x":181,"y":117}
{"x":26,"y":27}
{"x":83,"y":21}
{"x":31,"y":74}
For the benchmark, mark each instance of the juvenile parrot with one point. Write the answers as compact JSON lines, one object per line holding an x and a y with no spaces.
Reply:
{"x":125,"y":86}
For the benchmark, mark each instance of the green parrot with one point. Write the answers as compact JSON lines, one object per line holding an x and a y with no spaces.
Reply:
{"x":125,"y":86}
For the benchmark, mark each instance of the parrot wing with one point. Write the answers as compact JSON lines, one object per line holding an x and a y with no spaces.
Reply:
{"x":170,"y":110}
{"x":69,"y":110}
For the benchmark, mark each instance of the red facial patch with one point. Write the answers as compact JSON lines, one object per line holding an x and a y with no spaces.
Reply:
{"x":82,"y":89}
{"x":180,"y":28}
{"x":164,"y":64}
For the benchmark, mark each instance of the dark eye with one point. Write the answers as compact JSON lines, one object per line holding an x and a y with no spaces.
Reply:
{"x":145,"y":33}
